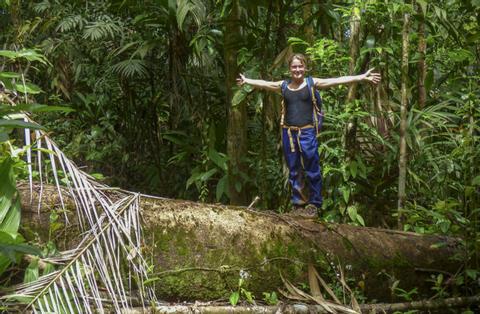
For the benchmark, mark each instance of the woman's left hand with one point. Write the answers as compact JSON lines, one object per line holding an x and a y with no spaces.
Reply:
{"x":372,"y":77}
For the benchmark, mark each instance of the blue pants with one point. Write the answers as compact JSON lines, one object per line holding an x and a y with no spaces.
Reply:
{"x":300,"y":147}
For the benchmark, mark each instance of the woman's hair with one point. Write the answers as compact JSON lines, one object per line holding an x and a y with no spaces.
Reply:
{"x":300,"y":57}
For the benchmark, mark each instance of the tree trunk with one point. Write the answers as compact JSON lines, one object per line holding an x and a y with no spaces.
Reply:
{"x":237,"y":115}
{"x":351,"y":132}
{"x":402,"y":161}
{"x":421,"y":65}
{"x":308,"y":21}
{"x":199,"y":251}
{"x":299,"y":308}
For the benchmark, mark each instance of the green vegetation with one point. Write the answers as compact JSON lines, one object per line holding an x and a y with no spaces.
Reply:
{"x":153,"y":107}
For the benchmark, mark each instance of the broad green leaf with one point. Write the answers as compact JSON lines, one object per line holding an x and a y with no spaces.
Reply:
{"x":353,"y":168}
{"x":207,"y":175}
{"x":234,"y":297}
{"x":239,"y":96}
{"x":8,"y":54}
{"x":4,"y":262}
{"x":11,"y":245}
{"x":48,"y":269}
{"x":222,"y":186}
{"x":352,"y":212}
{"x":476,"y":181}
{"x":19,"y":124}
{"x":28,"y":88}
{"x":11,"y":221}
{"x":32,"y":55}
{"x":9,"y":75}
{"x":346,"y":194}
{"x":219,"y":159}
{"x":7,"y":187}
{"x":423,"y":5}
{"x":295,"y":41}
{"x":196,"y":174}
{"x":472,"y":273}
{"x":31,"y":272}
{"x":360,"y":220}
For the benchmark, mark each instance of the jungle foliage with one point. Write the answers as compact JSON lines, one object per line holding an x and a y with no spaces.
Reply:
{"x":154,"y":106}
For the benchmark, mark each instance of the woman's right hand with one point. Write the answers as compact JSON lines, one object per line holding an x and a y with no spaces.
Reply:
{"x":241,"y":79}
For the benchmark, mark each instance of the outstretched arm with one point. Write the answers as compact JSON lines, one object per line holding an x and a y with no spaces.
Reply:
{"x":368,"y":76}
{"x":267,"y":85}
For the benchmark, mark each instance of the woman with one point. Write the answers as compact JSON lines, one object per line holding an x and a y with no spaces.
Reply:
{"x":300,"y":145}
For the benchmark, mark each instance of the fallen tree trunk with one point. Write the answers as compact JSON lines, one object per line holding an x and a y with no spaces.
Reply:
{"x":199,"y":251}
{"x":300,"y":308}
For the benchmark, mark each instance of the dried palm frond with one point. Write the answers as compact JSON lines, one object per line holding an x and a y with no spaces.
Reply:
{"x":107,"y":264}
{"x":328,"y":306}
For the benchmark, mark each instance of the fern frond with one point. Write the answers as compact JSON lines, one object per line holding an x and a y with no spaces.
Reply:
{"x":70,"y":23}
{"x":102,"y":29}
{"x":130,"y":68}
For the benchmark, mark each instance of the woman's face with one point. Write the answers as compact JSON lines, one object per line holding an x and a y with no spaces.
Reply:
{"x":297,"y":70}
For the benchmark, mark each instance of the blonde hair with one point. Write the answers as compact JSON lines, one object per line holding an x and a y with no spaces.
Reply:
{"x":300,"y":57}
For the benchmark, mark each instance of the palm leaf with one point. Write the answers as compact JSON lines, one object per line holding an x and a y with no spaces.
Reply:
{"x":93,"y":274}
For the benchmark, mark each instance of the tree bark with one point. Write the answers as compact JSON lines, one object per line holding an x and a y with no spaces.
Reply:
{"x":351,"y":132}
{"x":300,"y":308}
{"x":421,"y":65}
{"x":402,"y":161}
{"x":237,"y":115}
{"x":308,"y":27}
{"x":199,"y":250}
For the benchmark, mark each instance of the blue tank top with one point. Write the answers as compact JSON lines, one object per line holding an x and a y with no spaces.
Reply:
{"x":298,"y":107}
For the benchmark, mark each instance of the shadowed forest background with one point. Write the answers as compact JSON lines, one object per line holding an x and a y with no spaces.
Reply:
{"x":156,"y":108}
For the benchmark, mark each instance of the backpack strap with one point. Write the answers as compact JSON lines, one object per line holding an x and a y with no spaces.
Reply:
{"x":316,"y":110}
{"x":284,"y":88}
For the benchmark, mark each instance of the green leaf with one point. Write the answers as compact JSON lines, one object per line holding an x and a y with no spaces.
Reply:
{"x":239,"y":96}
{"x":207,"y":175}
{"x":248,"y":295}
{"x":7,"y":187}
{"x":352,"y":212}
{"x":11,"y":245}
{"x":31,"y":272}
{"x":48,"y":269}
{"x":360,"y":220}
{"x":11,"y":221}
{"x":238,"y":186}
{"x":222,"y":186}
{"x":9,"y":75}
{"x":32,"y":55}
{"x":476,"y":181}
{"x":353,"y":168}
{"x":423,"y":6}
{"x":346,"y":194}
{"x":437,"y":245}
{"x":28,"y":88}
{"x":472,"y":273}
{"x":8,"y":54}
{"x":219,"y":159}
{"x":295,"y":41}
{"x":12,"y":124}
{"x":234,"y":297}
{"x":194,"y":177}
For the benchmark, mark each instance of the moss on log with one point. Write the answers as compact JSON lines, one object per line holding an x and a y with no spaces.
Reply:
{"x":199,"y":251}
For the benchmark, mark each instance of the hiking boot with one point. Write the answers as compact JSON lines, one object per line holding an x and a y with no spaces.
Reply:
{"x":310,"y":211}
{"x":297,"y":210}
